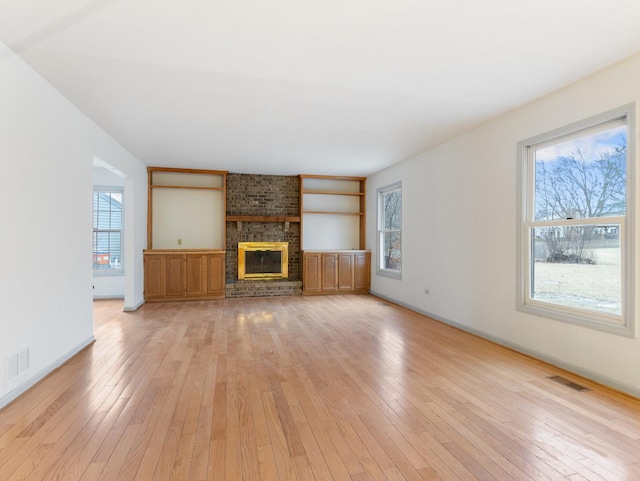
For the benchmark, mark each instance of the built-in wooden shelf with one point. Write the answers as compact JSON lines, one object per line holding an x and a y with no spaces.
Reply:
{"x":332,"y":209}
{"x":332,"y":212}
{"x":197,"y":272}
{"x":261,"y":218}
{"x":326,"y":192}
{"x":190,"y":187}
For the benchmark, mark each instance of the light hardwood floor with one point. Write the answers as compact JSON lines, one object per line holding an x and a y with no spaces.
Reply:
{"x":309,"y":388}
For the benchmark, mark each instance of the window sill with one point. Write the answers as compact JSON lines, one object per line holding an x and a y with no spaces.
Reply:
{"x":108,"y":273}
{"x":388,"y":273}
{"x":580,"y":318}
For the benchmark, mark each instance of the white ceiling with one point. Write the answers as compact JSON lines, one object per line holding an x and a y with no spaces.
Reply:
{"x":343,"y":87}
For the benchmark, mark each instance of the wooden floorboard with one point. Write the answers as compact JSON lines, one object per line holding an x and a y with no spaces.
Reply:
{"x":333,"y":388}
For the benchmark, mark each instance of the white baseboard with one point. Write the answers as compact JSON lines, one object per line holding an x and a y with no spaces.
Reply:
{"x":593,"y":376}
{"x":36,"y":378}
{"x":135,"y":307}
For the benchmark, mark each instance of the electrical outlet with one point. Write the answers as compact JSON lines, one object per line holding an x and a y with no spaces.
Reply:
{"x":426,"y":291}
{"x":179,"y":242}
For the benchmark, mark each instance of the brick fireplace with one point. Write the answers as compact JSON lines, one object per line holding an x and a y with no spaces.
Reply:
{"x":263,"y":196}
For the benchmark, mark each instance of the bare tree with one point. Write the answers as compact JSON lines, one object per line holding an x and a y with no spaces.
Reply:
{"x":392,"y":226}
{"x":574,"y":187}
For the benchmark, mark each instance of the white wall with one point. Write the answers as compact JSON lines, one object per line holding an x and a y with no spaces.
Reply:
{"x":47,"y":148}
{"x":110,"y":153}
{"x":459,"y":236}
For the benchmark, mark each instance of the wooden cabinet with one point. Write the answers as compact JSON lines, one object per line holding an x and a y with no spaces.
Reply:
{"x":183,"y":275}
{"x":195,"y":274}
{"x":362,"y":271}
{"x":155,"y":269}
{"x":312,"y":274}
{"x":336,"y":272}
{"x":329,"y":270}
{"x":215,"y":275}
{"x":345,"y":271}
{"x":174,"y":276}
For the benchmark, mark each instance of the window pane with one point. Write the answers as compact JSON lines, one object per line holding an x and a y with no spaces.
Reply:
{"x":583,"y":177}
{"x":392,"y":210}
{"x":391,"y":251}
{"x":107,"y":210}
{"x":578,"y":266}
{"x":107,"y":225}
{"x":106,"y":250}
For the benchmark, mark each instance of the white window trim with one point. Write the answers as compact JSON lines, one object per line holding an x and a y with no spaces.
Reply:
{"x":379,"y":269}
{"x":111,"y":272}
{"x":622,"y":325}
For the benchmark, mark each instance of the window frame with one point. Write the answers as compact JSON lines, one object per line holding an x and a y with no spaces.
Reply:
{"x":115,"y":271}
{"x":381,"y":192}
{"x":625,"y":323}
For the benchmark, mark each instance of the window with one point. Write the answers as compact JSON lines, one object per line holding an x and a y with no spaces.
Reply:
{"x":575,"y":218}
{"x":107,"y":230}
{"x":390,"y":230}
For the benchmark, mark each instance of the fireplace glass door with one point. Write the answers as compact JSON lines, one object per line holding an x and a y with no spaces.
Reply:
{"x":263,"y":260}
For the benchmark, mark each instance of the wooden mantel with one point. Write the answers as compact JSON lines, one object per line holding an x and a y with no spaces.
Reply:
{"x":261,"y":218}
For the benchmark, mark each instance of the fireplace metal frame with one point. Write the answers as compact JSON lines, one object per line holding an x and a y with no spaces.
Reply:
{"x":283,"y":247}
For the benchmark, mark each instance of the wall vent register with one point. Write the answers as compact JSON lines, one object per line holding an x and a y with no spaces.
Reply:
{"x":17,"y":363}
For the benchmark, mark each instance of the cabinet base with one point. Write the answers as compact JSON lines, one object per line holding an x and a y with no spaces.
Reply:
{"x":331,"y":293}
{"x":180,"y":299}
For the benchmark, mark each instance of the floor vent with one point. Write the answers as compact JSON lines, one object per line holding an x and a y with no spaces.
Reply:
{"x":17,"y":364}
{"x":566,"y":382}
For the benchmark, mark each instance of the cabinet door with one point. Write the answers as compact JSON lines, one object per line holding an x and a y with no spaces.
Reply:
{"x":215,"y":275}
{"x":345,"y":271}
{"x":154,"y":276}
{"x":330,"y":272}
{"x":196,"y":274}
{"x":175,"y":275}
{"x":362,"y":271}
{"x":312,"y":270}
